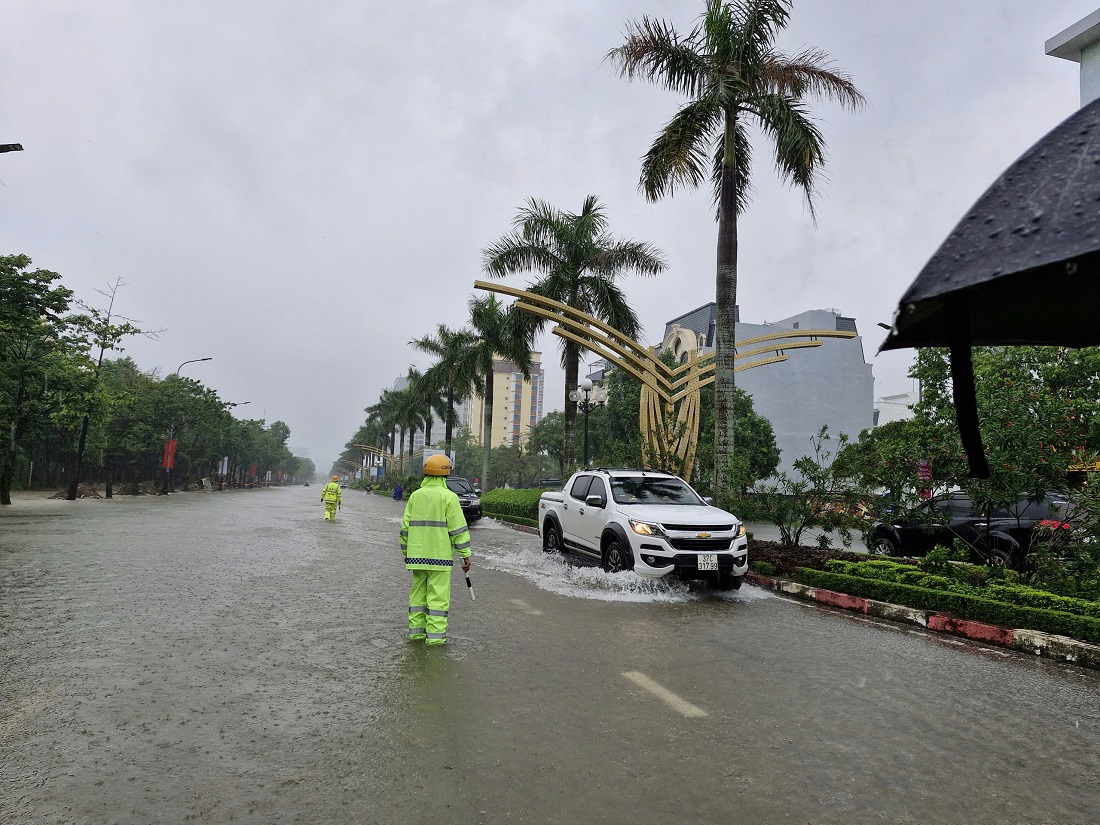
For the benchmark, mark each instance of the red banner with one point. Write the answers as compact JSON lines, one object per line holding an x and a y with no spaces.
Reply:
{"x":169,"y":462}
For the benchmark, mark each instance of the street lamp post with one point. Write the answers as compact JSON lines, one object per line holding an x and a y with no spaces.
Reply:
{"x":587,"y":397}
{"x":169,"y":448}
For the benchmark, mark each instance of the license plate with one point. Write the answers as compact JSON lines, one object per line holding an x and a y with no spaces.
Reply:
{"x":708,"y":561}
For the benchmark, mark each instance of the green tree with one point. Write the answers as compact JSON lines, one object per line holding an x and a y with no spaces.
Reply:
{"x":547,"y":437}
{"x":501,"y":332}
{"x":99,"y":331}
{"x":579,"y":262}
{"x":455,"y":371}
{"x":733,"y":77}
{"x":34,"y":348}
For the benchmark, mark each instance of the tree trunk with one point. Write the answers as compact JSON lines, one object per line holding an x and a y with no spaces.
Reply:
{"x":487,"y":429}
{"x":569,"y":450}
{"x":109,"y":479}
{"x":74,"y":485}
{"x":450,"y":420}
{"x":725,"y":291}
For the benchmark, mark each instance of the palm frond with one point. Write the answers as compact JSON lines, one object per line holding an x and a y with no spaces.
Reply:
{"x":654,"y":51}
{"x":811,"y":72}
{"x":798,"y":144}
{"x":678,"y":155}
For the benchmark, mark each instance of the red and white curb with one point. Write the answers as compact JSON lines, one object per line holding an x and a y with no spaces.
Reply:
{"x":1028,"y":641}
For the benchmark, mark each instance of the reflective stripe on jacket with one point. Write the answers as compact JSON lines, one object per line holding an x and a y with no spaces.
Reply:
{"x":331,"y":492}
{"x":433,"y":528}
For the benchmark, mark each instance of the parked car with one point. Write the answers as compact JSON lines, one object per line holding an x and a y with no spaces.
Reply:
{"x":467,"y":497}
{"x":1000,"y":537}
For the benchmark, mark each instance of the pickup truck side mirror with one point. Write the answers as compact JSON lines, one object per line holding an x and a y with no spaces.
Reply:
{"x":594,"y":501}
{"x":708,"y":500}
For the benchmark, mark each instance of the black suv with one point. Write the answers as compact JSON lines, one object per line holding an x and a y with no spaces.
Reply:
{"x":1000,"y":537}
{"x":467,"y":497}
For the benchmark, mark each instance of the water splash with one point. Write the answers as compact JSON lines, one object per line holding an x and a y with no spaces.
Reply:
{"x":554,"y":574}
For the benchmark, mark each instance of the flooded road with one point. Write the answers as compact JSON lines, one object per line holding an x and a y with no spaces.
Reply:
{"x":232,"y":657}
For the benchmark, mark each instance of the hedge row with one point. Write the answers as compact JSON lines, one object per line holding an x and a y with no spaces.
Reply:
{"x":519,"y":503}
{"x":959,"y":605}
{"x":1009,"y":593}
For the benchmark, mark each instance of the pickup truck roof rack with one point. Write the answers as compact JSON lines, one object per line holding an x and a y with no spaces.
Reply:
{"x":625,"y":470}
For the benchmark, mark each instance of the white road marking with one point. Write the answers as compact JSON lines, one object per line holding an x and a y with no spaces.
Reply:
{"x":664,"y":694}
{"x":526,"y":608}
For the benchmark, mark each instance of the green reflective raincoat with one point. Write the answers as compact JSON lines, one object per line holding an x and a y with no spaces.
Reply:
{"x":433,"y":529}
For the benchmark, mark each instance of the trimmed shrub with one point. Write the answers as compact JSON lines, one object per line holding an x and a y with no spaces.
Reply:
{"x":1030,"y":597}
{"x":959,"y":605}
{"x":763,"y":568}
{"x":519,"y":503}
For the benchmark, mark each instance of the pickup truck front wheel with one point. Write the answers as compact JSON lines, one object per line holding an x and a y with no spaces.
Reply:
{"x":551,"y":538}
{"x":617,"y":556}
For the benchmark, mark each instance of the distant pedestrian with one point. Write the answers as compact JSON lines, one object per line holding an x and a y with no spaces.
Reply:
{"x":330,"y":495}
{"x":433,"y":529}
{"x":397,"y":494}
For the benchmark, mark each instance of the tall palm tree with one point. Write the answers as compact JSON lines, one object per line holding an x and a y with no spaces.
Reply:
{"x":501,"y":331}
{"x":409,"y":420}
{"x":579,"y":262}
{"x":428,"y":395}
{"x":733,"y":76}
{"x":455,"y":371}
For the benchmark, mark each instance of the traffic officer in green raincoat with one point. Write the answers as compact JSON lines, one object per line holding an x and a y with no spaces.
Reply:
{"x":330,"y":495}
{"x":432,"y":531}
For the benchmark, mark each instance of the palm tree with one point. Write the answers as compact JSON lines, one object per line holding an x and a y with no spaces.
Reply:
{"x":500,"y":332}
{"x":733,"y":76}
{"x":579,"y":262}
{"x":455,"y":371}
{"x":429,"y":398}
{"x":409,"y":419}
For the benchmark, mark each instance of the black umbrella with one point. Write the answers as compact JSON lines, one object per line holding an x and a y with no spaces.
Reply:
{"x":1023,"y":266}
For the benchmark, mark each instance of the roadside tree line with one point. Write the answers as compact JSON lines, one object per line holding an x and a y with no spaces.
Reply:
{"x":70,"y":414}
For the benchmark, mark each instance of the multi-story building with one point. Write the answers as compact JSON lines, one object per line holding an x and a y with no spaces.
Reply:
{"x":517,"y":403}
{"x":827,"y":385}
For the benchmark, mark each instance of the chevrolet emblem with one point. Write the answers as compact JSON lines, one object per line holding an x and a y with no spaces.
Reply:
{"x":702,"y":535}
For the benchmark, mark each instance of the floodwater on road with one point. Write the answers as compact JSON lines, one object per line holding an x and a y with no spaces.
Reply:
{"x":217,"y":657}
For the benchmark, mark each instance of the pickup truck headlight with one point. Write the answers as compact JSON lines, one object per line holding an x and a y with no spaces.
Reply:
{"x":646,"y":528}
{"x":740,"y":530}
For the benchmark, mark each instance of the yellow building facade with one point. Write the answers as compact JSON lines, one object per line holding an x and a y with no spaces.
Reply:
{"x":517,"y":403}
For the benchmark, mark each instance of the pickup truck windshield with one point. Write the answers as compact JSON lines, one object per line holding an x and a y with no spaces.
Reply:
{"x":644,"y":490}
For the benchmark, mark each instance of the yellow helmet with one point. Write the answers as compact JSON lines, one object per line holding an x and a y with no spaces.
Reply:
{"x":437,"y":465}
{"x":336,"y":478}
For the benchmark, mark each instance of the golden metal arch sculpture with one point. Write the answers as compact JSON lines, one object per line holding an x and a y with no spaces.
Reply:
{"x":388,"y":459}
{"x":668,"y":414}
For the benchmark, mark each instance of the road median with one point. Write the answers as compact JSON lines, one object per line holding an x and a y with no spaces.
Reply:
{"x":1037,"y":642}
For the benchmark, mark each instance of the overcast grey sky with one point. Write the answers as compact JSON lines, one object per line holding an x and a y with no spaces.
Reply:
{"x":297,"y":189}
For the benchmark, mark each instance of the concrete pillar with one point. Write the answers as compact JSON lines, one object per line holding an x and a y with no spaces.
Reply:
{"x":1081,"y":44}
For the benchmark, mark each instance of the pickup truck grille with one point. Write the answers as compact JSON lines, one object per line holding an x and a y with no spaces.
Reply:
{"x":699,"y":528}
{"x":701,"y":545}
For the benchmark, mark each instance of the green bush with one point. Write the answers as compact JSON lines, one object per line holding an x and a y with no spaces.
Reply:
{"x":959,"y":605}
{"x":1030,"y":597}
{"x":763,"y":568}
{"x":520,"y":503}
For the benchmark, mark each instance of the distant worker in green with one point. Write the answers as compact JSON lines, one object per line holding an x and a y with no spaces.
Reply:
{"x":432,"y":531}
{"x":330,"y":495}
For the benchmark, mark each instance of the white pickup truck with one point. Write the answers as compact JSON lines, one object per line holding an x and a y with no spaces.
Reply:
{"x":647,"y":521}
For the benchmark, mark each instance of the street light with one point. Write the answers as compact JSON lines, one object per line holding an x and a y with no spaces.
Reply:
{"x":587,"y":397}
{"x":170,"y":447}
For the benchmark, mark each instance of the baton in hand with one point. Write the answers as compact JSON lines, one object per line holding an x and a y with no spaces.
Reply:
{"x":470,"y":587}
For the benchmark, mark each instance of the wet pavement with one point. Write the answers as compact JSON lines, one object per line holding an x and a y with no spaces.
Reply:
{"x":232,"y":657}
